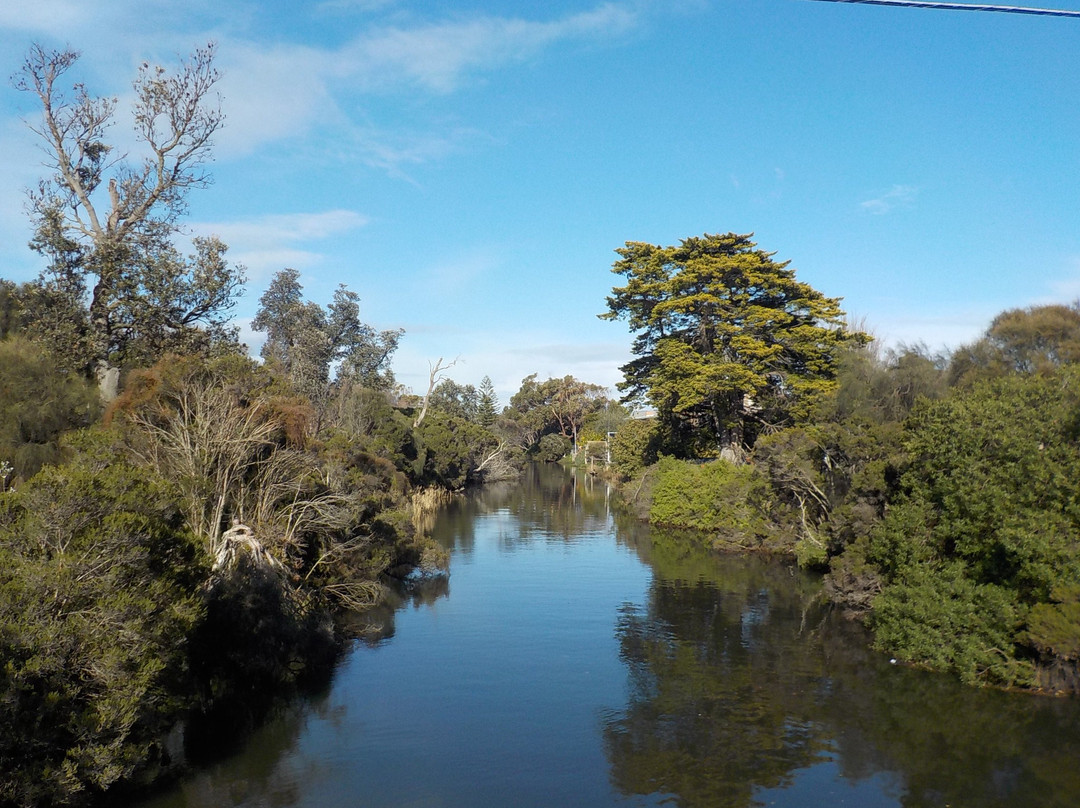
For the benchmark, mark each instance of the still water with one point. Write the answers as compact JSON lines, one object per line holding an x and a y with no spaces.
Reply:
{"x":576,"y":658}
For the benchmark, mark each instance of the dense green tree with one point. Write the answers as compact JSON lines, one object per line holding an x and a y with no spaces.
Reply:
{"x":727,"y":339}
{"x":555,"y":406}
{"x":1038,"y":339}
{"x":459,"y":400}
{"x":633,"y":447}
{"x":572,"y":402}
{"x":98,"y":583}
{"x":451,"y":450}
{"x":308,"y":343}
{"x":488,"y":407}
{"x":107,"y":225}
{"x":989,"y":513}
{"x":10,"y":309}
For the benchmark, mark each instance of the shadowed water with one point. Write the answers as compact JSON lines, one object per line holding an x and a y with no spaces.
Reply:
{"x":576,"y":658}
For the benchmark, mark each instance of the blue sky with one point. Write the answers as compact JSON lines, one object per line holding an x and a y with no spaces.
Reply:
{"x":469,"y":167}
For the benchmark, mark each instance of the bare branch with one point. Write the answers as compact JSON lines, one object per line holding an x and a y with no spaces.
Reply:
{"x":437,"y":372}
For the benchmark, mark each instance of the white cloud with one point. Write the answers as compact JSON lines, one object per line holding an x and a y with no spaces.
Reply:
{"x":54,"y":17}
{"x":286,"y":90}
{"x":1067,"y":288}
{"x":268,"y":244}
{"x":437,"y":56}
{"x":897,"y":196}
{"x":272,"y":94}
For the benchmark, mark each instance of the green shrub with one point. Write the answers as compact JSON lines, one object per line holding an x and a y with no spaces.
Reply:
{"x":38,"y":404}
{"x":551,"y":448}
{"x":938,"y":617}
{"x":633,"y":447}
{"x":717,"y":497}
{"x":98,"y":577}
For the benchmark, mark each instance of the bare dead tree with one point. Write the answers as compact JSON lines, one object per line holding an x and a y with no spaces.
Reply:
{"x":436,"y":373}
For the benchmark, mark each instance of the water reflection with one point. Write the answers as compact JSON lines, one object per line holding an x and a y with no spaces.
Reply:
{"x":574,"y":657}
{"x":747,"y":690}
{"x":547,"y":503}
{"x":724,"y":680}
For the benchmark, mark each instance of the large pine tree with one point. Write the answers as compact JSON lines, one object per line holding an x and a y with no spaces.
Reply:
{"x":728,"y":341}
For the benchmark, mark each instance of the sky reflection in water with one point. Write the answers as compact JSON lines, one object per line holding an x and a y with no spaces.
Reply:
{"x":577,"y":659}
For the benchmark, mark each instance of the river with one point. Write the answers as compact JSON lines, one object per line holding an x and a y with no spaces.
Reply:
{"x":577,"y":658}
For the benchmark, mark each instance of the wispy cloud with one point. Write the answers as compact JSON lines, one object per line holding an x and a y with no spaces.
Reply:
{"x":269,"y":243}
{"x":437,"y":56}
{"x":457,"y":275}
{"x":896,"y":197}
{"x":45,"y":16}
{"x":1065,"y":289}
{"x":290,"y":91}
{"x":339,"y":6}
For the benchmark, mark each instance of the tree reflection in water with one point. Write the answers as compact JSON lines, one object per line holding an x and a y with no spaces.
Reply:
{"x":720,"y":674}
{"x":744,"y":687}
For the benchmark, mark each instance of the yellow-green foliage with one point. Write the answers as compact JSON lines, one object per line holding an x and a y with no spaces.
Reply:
{"x":716,"y":497}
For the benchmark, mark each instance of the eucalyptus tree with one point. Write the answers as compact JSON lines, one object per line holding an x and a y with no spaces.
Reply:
{"x":308,"y":344}
{"x":1039,"y":339}
{"x":727,"y":340}
{"x":555,"y":406}
{"x":108,"y":223}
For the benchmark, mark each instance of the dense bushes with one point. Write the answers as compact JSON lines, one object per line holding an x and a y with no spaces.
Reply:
{"x":947,"y":517}
{"x":98,"y":595}
{"x":716,"y":497}
{"x":986,"y":526}
{"x":37,"y":405}
{"x":189,"y":557}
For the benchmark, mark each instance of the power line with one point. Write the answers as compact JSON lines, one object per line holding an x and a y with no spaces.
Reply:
{"x":1046,"y":12}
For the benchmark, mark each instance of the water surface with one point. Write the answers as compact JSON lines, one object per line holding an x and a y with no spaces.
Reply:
{"x":576,"y":658}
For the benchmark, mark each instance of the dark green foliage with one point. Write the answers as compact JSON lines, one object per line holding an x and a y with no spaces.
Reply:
{"x":450,"y":450}
{"x":367,"y":417}
{"x":10,"y":309}
{"x":488,"y":408}
{"x":989,"y":515}
{"x":551,"y":448}
{"x":37,"y":405}
{"x":936,"y":615}
{"x":457,"y":400}
{"x":1054,"y":627}
{"x":307,"y":343}
{"x":97,"y":583}
{"x":259,"y":634}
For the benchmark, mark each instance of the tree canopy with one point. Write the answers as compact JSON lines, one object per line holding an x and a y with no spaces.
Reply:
{"x":107,"y":223}
{"x":728,"y":341}
{"x":306,"y":342}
